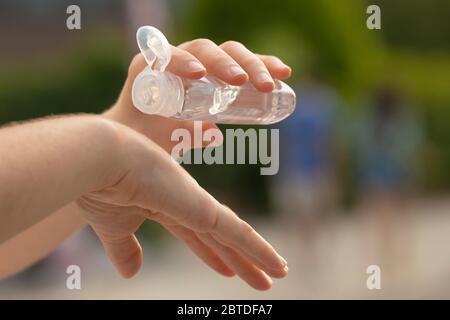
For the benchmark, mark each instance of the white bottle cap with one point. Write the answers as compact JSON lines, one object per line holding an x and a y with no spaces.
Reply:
{"x":155,"y":91}
{"x":154,"y":47}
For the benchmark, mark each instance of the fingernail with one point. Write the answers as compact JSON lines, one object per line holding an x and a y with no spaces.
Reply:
{"x":286,"y":269}
{"x":195,"y":66}
{"x":236,"y":71}
{"x":286,"y":67}
{"x":265,"y":77}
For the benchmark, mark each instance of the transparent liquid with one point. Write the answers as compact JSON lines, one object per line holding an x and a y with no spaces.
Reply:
{"x":209,"y":99}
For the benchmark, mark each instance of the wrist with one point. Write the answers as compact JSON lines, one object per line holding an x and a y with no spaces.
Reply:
{"x":105,"y":136}
{"x":122,"y":113}
{"x":125,"y":115}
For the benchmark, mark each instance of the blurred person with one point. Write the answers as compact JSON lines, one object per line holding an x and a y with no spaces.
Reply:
{"x":113,"y":172}
{"x":305,"y":191}
{"x":387,"y":144}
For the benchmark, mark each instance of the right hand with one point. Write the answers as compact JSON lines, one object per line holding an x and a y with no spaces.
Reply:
{"x":144,"y":182}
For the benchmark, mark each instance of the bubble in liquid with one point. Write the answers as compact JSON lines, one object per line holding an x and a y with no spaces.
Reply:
{"x":223,"y":97}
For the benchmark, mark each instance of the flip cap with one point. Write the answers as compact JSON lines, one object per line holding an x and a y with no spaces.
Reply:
{"x":155,"y":91}
{"x":154,"y":47}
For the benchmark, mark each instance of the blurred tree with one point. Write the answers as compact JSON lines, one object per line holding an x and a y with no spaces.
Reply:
{"x":325,"y":34}
{"x":84,"y":80}
{"x":416,"y":24}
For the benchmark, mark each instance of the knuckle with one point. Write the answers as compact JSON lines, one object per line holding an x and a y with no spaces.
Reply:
{"x":246,"y":228}
{"x":219,"y":61}
{"x":212,"y":216}
{"x":212,"y":221}
{"x":270,"y":57}
{"x":230,"y":44}
{"x":253,"y":62}
{"x":213,"y":225}
{"x":200,"y":43}
{"x":205,"y":218}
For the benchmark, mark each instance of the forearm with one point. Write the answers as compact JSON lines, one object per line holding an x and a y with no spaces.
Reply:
{"x":48,"y":163}
{"x":39,"y":240}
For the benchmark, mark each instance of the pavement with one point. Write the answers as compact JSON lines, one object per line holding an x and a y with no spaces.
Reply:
{"x":170,"y":271}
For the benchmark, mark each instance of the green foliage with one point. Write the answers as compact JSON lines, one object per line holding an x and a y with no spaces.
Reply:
{"x":88,"y":80}
{"x":416,"y":24}
{"x":326,"y":35}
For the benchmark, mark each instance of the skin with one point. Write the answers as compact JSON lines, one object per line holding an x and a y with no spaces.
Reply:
{"x":123,"y":176}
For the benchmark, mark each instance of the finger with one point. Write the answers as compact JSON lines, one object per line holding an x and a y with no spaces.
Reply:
{"x":276,"y":273}
{"x":238,"y":234}
{"x":182,"y":63}
{"x":216,"y":61}
{"x":276,"y":67}
{"x":136,"y":66}
{"x":192,"y":241}
{"x":251,"y":63}
{"x":244,"y":269}
{"x":125,"y":253}
{"x":199,"y":211}
{"x":200,"y":249}
{"x":185,"y":64}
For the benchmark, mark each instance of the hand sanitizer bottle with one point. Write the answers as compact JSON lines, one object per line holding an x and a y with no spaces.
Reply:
{"x":208,"y":99}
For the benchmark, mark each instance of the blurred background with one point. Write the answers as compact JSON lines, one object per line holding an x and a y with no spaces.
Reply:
{"x":364,"y":161}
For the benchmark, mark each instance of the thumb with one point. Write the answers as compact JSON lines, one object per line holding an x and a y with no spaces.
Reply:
{"x":125,"y":253}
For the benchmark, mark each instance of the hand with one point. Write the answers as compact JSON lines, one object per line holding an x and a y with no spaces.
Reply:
{"x":149,"y":184}
{"x":234,"y":64}
{"x":230,"y":62}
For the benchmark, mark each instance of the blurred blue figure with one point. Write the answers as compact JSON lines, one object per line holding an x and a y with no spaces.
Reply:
{"x":305,"y":191}
{"x":308,"y":134}
{"x":387,"y":147}
{"x":387,"y":143}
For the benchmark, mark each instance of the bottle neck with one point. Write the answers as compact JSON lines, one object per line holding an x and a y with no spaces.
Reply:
{"x":158,"y":93}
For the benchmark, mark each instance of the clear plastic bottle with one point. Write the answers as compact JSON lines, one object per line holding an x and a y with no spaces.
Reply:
{"x":207,"y":99}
